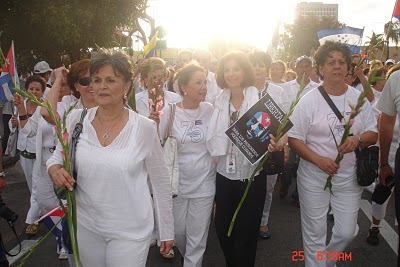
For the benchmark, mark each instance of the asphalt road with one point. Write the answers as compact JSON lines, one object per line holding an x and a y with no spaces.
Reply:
{"x":278,"y":251}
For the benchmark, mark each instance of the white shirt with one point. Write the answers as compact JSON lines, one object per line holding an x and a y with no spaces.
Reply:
{"x":212,"y":88}
{"x":197,"y":169}
{"x":293,"y":87}
{"x":24,"y":142}
{"x":112,"y":196}
{"x":142,"y":101}
{"x":312,"y":121}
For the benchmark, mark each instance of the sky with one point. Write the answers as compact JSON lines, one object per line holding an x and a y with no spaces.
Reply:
{"x":191,"y":23}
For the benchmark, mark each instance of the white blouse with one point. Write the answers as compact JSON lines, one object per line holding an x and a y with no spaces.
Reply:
{"x":112,"y":194}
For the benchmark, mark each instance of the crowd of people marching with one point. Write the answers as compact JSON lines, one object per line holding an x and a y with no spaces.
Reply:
{"x":123,"y":190}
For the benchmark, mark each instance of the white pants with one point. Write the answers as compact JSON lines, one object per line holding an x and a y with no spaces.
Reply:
{"x":192,"y":218}
{"x":271,"y":181}
{"x":314,"y":206}
{"x":379,"y":211}
{"x":100,"y":251}
{"x":34,"y":211}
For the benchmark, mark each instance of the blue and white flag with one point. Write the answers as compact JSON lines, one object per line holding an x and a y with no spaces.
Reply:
{"x":350,"y":36}
{"x":9,"y":76}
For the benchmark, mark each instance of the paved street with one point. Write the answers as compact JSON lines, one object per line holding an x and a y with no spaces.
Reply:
{"x":284,"y":223}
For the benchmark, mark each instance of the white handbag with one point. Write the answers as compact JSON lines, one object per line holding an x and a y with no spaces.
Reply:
{"x":171,"y":153}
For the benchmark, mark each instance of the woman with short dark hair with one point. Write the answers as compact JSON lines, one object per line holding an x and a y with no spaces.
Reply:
{"x":117,"y":150}
{"x":311,"y":137}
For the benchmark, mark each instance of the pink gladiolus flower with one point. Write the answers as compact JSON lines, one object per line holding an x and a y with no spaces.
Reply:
{"x":351,"y":122}
{"x":57,"y":117}
{"x":65,"y":137}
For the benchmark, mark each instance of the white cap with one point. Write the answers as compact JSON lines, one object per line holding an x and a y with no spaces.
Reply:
{"x":390,"y":61}
{"x":42,"y":67}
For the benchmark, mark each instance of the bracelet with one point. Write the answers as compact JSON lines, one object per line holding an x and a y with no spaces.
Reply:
{"x":383,"y":165}
{"x":23,"y":117}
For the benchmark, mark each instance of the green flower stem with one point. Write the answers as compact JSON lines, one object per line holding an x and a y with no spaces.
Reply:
{"x":34,"y":247}
{"x":266,"y":156}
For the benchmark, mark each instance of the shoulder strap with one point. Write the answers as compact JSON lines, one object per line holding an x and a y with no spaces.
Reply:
{"x":74,"y":141}
{"x":330,"y":103}
{"x":264,"y":92}
{"x":168,"y":130}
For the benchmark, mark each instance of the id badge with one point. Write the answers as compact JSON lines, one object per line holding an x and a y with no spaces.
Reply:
{"x":230,"y":164}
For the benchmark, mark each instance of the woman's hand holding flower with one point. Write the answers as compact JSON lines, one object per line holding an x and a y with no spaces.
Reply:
{"x":275,"y":146}
{"x":60,"y":73}
{"x":61,"y":178}
{"x":155,"y":116}
{"x":327,"y":165}
{"x":19,"y":102}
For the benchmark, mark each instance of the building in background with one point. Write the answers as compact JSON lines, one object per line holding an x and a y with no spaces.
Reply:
{"x":317,"y":9}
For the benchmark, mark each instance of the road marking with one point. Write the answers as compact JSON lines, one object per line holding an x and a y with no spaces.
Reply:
{"x":26,"y":246}
{"x":385,"y":229}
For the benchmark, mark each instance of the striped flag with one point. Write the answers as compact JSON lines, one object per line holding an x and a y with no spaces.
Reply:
{"x":350,"y":36}
{"x":396,"y":10}
{"x":150,"y":48}
{"x":9,"y":76}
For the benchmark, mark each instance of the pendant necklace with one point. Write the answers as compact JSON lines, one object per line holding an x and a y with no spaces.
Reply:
{"x":105,"y":135}
{"x":193,"y":118}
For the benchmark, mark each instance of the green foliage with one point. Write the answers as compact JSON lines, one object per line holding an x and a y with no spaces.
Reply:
{"x":301,"y":36}
{"x":44,"y":29}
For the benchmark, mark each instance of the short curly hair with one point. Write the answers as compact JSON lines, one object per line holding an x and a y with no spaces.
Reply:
{"x":243,"y":62}
{"x":324,"y":51}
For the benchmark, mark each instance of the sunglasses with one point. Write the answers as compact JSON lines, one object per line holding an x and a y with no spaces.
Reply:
{"x":84,"y":81}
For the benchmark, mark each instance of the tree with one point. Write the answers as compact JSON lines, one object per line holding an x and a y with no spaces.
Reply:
{"x":44,"y":29}
{"x":391,"y":32}
{"x":301,"y":36}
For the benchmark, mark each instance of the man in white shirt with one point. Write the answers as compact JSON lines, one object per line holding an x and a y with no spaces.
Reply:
{"x":303,"y":66}
{"x":203,"y":57}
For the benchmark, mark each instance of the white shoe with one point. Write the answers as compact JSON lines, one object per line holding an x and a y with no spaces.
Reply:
{"x":170,"y":254}
{"x":63,"y":254}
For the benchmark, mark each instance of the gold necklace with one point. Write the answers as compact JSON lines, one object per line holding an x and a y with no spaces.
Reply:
{"x":193,"y":118}
{"x":105,"y":135}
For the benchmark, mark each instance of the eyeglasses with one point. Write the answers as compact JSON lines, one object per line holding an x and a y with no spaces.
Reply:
{"x":84,"y":81}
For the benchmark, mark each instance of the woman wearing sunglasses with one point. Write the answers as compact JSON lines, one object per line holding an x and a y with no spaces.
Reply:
{"x":43,"y":128}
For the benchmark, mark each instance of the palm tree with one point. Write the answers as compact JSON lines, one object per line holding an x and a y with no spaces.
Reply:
{"x":376,"y":42}
{"x":391,"y":32}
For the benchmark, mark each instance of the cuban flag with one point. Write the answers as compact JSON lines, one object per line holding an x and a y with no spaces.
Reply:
{"x":150,"y":48}
{"x":396,"y":10}
{"x":9,"y":76}
{"x":350,"y":36}
{"x":257,"y":126}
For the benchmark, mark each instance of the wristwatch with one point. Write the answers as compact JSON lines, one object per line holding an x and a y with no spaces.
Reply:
{"x":2,"y":174}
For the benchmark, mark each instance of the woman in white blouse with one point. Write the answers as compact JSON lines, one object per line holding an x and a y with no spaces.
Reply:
{"x":26,"y":145}
{"x":194,"y":203}
{"x":235,"y":76}
{"x":117,"y":149}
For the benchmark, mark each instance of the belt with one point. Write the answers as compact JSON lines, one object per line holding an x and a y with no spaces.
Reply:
{"x":28,"y":155}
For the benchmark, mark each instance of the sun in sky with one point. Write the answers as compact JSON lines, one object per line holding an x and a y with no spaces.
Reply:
{"x":191,"y":23}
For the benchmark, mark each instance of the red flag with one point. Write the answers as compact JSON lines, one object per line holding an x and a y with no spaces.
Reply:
{"x":9,"y":65}
{"x":396,"y":10}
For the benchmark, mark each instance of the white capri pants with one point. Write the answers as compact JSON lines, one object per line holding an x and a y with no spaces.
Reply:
{"x":34,"y":211}
{"x":271,"y":181}
{"x":314,"y":206}
{"x":192,"y":218}
{"x":100,"y":251}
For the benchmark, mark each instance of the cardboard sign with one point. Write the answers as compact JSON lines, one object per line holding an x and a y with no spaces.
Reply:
{"x":251,"y":132}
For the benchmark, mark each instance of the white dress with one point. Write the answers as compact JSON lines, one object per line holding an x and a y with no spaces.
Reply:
{"x":112,"y":196}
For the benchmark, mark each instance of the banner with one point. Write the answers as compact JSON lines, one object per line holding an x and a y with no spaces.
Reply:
{"x":350,"y":36}
{"x":251,"y":132}
{"x":149,"y":49}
